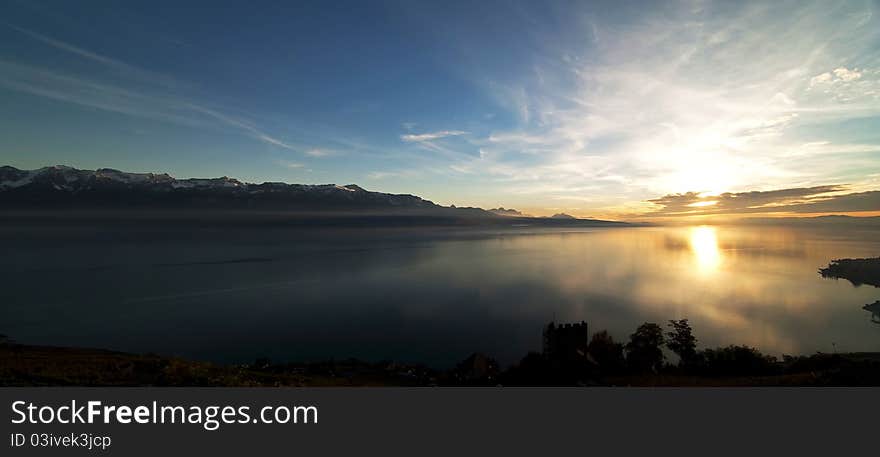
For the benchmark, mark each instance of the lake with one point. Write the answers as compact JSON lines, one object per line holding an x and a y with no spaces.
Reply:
{"x":429,"y":295}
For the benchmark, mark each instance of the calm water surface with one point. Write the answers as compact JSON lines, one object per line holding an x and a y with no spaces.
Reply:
{"x":431,"y":296}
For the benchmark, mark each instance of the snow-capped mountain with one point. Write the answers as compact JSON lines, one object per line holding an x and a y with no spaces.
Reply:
{"x":67,"y":186}
{"x":63,"y":187}
{"x":62,"y":177}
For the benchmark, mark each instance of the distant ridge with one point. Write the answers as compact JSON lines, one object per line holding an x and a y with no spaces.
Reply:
{"x":501,"y":211}
{"x":64,"y":187}
{"x":67,"y":186}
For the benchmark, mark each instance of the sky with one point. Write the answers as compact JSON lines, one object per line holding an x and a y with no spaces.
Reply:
{"x":620,"y":110}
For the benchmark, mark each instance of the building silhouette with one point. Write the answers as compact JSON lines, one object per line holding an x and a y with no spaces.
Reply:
{"x":566,"y":342}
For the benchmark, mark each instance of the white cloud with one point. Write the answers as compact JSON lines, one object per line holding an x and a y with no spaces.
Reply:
{"x":421,"y":137}
{"x":292,"y":165}
{"x":821,"y":79}
{"x":378,"y":175}
{"x":838,"y":75}
{"x":846,"y":74}
{"x":318,"y":152}
{"x":681,"y":102}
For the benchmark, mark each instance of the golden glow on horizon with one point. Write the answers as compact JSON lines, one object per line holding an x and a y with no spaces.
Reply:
{"x":642,"y":212}
{"x":705,"y":203}
{"x":704,"y":244}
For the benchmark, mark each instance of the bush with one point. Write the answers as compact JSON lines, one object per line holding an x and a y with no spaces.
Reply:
{"x":736,"y":361}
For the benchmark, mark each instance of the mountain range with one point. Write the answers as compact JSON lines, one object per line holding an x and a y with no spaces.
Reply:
{"x":63,"y":187}
{"x":67,"y":186}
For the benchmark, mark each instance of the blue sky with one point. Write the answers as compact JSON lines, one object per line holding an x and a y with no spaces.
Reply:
{"x":591,"y":108}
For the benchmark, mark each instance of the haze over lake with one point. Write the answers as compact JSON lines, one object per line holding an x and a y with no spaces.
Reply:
{"x":431,"y":296}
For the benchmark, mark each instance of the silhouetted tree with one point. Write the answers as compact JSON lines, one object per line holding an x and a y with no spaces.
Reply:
{"x":643,"y":351}
{"x":738,"y":361}
{"x":606,"y":352}
{"x":681,"y":341}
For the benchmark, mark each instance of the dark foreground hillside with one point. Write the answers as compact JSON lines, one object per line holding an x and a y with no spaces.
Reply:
{"x":23,"y":365}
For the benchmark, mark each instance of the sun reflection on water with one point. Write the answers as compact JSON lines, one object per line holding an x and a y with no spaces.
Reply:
{"x":704,"y":244}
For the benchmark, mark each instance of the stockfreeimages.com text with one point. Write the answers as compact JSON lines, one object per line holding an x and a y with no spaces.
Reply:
{"x":209,"y":417}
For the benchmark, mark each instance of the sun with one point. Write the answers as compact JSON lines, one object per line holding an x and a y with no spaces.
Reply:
{"x":704,"y":203}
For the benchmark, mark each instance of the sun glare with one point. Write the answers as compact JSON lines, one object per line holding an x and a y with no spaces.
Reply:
{"x":704,"y":244}
{"x":704,"y":203}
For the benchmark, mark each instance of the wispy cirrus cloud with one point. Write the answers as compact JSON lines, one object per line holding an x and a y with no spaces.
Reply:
{"x":159,"y":103}
{"x":245,"y":126}
{"x":94,"y":94}
{"x":605,"y":108}
{"x":113,"y":98}
{"x":451,"y":146}
{"x":291,"y":165}
{"x":699,"y":97}
{"x":396,"y":174}
{"x":319,"y":152}
{"x":117,"y":65}
{"x":422,"y":137}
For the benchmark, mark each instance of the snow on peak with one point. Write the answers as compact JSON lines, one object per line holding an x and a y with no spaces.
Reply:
{"x":207,"y":182}
{"x":131,"y":178}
